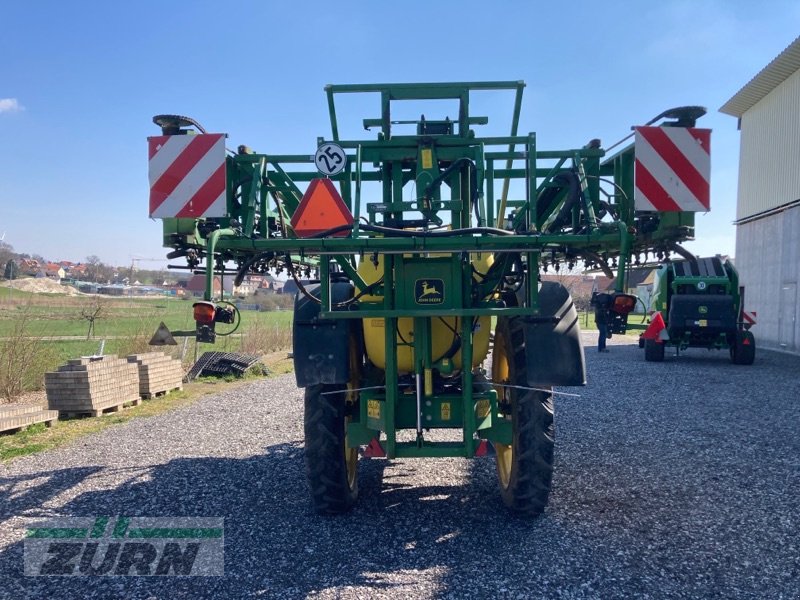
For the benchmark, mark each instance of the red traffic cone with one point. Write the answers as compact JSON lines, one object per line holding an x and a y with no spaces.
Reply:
{"x":655,"y":329}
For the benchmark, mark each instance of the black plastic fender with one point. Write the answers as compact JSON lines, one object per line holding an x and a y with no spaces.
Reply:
{"x":321,"y":346}
{"x":553,"y":348}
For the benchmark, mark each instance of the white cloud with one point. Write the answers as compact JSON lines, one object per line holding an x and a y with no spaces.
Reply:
{"x":10,"y":105}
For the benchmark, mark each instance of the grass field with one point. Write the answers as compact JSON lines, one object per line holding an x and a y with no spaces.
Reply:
{"x":39,"y":332}
{"x":31,"y":325}
{"x":55,"y":315}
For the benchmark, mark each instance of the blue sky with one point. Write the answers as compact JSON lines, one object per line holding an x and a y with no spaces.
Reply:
{"x":80,"y":81}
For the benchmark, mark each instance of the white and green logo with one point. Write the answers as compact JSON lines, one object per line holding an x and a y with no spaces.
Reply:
{"x":144,"y":546}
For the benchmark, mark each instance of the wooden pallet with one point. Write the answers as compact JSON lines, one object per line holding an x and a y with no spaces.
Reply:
{"x":151,"y":395}
{"x":17,"y":418}
{"x":158,"y":373}
{"x":98,"y":412}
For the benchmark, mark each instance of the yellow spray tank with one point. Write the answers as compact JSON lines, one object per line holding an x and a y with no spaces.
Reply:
{"x":443,"y":330}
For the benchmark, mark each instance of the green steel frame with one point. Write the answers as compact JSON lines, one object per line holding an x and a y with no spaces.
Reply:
{"x":485,"y":176}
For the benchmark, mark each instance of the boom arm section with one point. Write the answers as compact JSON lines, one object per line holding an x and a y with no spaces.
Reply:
{"x":428,"y":187}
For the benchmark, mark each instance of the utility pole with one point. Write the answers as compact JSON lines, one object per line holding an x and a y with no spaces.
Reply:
{"x":134,"y":266}
{"x":11,"y":279}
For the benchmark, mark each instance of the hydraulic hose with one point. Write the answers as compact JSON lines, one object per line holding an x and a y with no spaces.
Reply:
{"x":564,"y":179}
{"x":675,"y":247}
{"x":391,"y":232}
{"x":240,"y":275}
{"x":473,"y":183}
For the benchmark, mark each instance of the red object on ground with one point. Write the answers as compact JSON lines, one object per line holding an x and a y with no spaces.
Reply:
{"x":482,"y":449}
{"x":374,"y":449}
{"x":653,"y":331}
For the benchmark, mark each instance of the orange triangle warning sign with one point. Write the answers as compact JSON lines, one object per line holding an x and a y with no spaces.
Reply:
{"x":321,"y":209}
{"x":163,"y":337}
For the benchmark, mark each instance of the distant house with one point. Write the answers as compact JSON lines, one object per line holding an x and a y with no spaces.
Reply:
{"x":54,"y":271}
{"x":196,"y":286}
{"x":269,"y":285}
{"x":604,"y":284}
{"x":29,"y":266}
{"x":249,"y":285}
{"x":640,"y":284}
{"x":78,"y":271}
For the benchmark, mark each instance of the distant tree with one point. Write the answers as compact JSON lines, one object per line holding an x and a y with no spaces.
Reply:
{"x":154,"y":277}
{"x":6,"y":253}
{"x":12,"y":270}
{"x":569,"y":277}
{"x":91,"y":312}
{"x":93,"y":263}
{"x":105,"y":273}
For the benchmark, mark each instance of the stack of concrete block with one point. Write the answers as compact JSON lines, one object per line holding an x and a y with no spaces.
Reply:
{"x":19,"y":416}
{"x":158,"y":373}
{"x":92,"y":385}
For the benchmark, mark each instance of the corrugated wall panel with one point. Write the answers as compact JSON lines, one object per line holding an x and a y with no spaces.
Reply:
{"x":767,"y":252}
{"x":770,"y":151}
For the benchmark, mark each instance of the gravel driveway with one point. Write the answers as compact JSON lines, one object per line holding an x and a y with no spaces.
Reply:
{"x":673,"y":480}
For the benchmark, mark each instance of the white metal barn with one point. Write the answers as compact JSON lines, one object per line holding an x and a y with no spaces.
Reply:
{"x":768,"y":206}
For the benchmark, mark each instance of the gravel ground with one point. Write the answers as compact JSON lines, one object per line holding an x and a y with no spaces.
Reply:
{"x":673,"y":480}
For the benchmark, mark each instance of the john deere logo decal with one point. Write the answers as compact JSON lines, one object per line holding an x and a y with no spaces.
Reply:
{"x":429,"y":291}
{"x":702,"y":309}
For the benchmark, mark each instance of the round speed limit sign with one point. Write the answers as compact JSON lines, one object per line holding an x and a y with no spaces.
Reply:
{"x":330,"y":159}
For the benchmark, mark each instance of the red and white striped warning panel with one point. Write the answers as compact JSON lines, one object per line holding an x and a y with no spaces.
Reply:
{"x":749,"y":316}
{"x":673,"y":169}
{"x":187,"y":176}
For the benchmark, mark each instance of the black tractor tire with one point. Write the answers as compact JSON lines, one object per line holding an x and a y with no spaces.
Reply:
{"x":525,"y":468}
{"x":641,"y":342}
{"x":743,"y":349}
{"x":653,"y":351}
{"x":331,"y":467}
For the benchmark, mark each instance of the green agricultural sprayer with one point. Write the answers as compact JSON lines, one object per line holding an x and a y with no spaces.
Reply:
{"x":417,"y":253}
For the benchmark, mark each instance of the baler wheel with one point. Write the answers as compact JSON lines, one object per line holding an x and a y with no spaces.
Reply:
{"x":743,"y":350}
{"x":331,"y":467}
{"x":653,"y":351}
{"x":524,"y":468}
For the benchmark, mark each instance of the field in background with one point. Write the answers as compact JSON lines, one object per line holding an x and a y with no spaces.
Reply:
{"x":39,"y":332}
